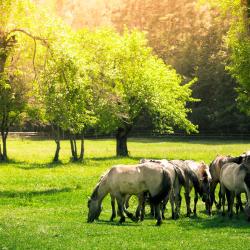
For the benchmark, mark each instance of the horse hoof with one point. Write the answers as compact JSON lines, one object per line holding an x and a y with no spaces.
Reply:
{"x":158,"y":223}
{"x":122,"y":220}
{"x":135,"y":219}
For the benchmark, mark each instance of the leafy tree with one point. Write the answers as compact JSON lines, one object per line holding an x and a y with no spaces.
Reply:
{"x":128,"y":79}
{"x":14,"y":67}
{"x":66,"y":93}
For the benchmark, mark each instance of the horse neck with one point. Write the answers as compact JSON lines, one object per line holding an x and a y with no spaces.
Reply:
{"x":103,"y":189}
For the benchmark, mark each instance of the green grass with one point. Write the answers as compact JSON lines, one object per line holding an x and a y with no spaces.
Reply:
{"x":44,"y":205}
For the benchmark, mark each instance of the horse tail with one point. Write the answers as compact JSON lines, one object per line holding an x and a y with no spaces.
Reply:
{"x":247,"y":180}
{"x":194,"y":178}
{"x":179,"y":174}
{"x":166,"y":186}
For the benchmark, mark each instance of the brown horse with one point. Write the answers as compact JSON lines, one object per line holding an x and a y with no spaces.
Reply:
{"x":235,"y":179}
{"x":215,"y":169}
{"x":121,"y":180}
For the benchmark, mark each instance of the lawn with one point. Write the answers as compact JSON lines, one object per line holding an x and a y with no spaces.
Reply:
{"x":44,"y":205}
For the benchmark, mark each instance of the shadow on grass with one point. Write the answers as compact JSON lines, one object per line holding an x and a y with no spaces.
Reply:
{"x":216,"y":221}
{"x":114,"y":158}
{"x":127,"y":223}
{"x":14,"y":194}
{"x":33,"y":165}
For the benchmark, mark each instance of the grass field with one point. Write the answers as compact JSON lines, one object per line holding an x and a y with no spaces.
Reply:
{"x":44,"y":205}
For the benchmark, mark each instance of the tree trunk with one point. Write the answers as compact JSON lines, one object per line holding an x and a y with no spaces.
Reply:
{"x":1,"y":155}
{"x":4,"y":155}
{"x":73,"y":147}
{"x":58,"y":146}
{"x":56,"y":157}
{"x":121,"y":141}
{"x":81,"y":157}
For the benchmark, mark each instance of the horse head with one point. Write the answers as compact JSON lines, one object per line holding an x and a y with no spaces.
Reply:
{"x":95,"y":209}
{"x":205,"y":179}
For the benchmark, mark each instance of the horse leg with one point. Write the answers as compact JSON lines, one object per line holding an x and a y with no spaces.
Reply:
{"x":141,"y":207}
{"x":158,"y":214}
{"x":130,"y":215}
{"x":164,"y":205}
{"x":238,"y":203}
{"x":212,"y":193}
{"x":195,"y":202}
{"x":231,"y":200}
{"x":113,"y":208}
{"x":218,"y":205}
{"x":187,"y":198}
{"x":228,"y":196}
{"x":152,"y":210}
{"x":120,"y":202}
{"x":172,"y":198}
{"x":223,"y":199}
{"x":127,"y":201}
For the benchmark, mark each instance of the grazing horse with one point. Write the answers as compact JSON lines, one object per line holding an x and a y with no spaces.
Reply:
{"x":215,"y":169}
{"x":235,"y":179}
{"x":195,"y":175}
{"x":175,"y":190}
{"x":121,"y":180}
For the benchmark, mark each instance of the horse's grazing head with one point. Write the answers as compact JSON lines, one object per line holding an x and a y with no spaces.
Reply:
{"x":94,"y":209}
{"x":205,"y":179}
{"x":94,"y":205}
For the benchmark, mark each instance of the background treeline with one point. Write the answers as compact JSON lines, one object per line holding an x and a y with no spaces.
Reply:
{"x":118,"y":79}
{"x":189,"y":35}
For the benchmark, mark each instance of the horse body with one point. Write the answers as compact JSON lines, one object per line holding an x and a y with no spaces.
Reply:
{"x":174,"y":195}
{"x":122,"y":180}
{"x":134,"y":180}
{"x":234,"y":179}
{"x":215,"y":170}
{"x":197,"y":175}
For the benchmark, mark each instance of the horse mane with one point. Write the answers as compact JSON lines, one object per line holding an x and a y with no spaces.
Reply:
{"x":202,"y":170}
{"x":95,"y":191}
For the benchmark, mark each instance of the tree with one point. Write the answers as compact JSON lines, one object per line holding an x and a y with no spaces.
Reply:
{"x":128,"y":79}
{"x":66,"y":93}
{"x":14,"y":71}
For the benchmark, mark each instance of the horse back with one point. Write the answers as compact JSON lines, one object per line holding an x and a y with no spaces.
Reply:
{"x":134,"y":179}
{"x":232,"y":177}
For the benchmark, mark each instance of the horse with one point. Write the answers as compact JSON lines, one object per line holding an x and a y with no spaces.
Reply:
{"x":175,"y":191}
{"x":234,"y":180}
{"x":121,"y":180}
{"x":215,"y":169}
{"x":195,"y":175}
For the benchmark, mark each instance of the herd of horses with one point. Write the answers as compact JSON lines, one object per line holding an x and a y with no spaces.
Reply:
{"x":160,"y":181}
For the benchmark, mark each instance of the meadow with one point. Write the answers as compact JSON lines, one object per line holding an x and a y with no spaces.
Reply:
{"x":44,"y":205}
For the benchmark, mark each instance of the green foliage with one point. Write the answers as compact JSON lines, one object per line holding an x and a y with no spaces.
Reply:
{"x":129,"y":79}
{"x":65,"y":87}
{"x":238,"y":39}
